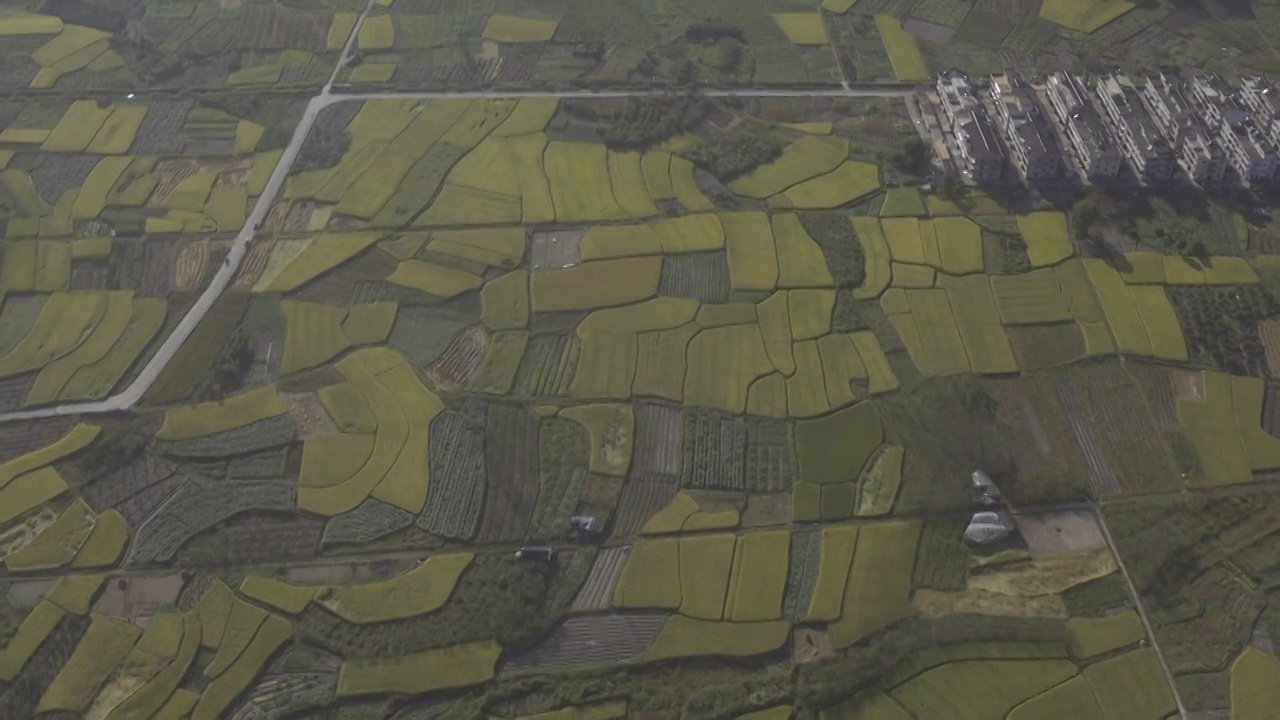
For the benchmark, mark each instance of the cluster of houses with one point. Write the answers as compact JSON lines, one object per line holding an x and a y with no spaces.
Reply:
{"x":1155,"y":130}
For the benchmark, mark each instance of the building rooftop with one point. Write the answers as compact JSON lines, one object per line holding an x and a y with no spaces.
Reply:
{"x":976,"y":127}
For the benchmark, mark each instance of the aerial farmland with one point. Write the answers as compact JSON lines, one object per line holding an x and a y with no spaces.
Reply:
{"x":443,"y":360}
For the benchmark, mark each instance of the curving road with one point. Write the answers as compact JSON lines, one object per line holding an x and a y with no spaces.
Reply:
{"x":129,"y":396}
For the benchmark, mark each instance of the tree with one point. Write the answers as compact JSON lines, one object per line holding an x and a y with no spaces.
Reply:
{"x":914,"y":157}
{"x":953,"y":189}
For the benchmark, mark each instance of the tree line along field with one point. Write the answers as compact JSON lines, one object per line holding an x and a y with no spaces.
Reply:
{"x":767,"y":378}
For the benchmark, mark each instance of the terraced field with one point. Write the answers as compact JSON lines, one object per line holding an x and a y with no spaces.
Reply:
{"x":730,"y":413}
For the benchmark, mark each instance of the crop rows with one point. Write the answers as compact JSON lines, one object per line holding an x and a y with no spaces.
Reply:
{"x":1221,"y":325}
{"x":139,"y":475}
{"x":714,"y":449}
{"x":548,"y":365}
{"x":942,"y":560}
{"x":23,"y":437}
{"x":802,"y":575}
{"x":158,"y":267}
{"x":511,"y":466}
{"x":161,"y":130}
{"x":13,"y":395}
{"x":658,"y":443}
{"x":371,"y":520}
{"x":564,"y":449}
{"x":697,"y":276}
{"x":201,"y":504}
{"x":453,"y":370}
{"x":56,"y":173}
{"x":286,"y":694}
{"x":639,"y":501}
{"x":422,"y":334}
{"x":456,"y":494}
{"x":770,"y":456}
{"x":20,"y":697}
{"x":252,"y":438}
{"x":266,"y":537}
{"x":338,"y":286}
{"x":319,"y":150}
{"x":587,"y":641}
{"x":265,"y":464}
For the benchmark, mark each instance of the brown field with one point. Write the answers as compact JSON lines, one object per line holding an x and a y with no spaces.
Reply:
{"x":158,"y":266}
{"x":309,"y":416}
{"x":639,"y":501}
{"x":190,"y":265}
{"x":511,"y":441}
{"x":764,"y":509}
{"x":338,"y":287}
{"x":255,"y":261}
{"x":659,"y":431}
{"x":19,"y":438}
{"x":1269,"y":334}
{"x":588,"y":641}
{"x":555,"y":249}
{"x":597,"y":591}
{"x":1042,"y":346}
{"x":453,"y":370}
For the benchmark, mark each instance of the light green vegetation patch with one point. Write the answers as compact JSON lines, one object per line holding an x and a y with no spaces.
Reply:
{"x":878,"y":485}
{"x":904,"y":53}
{"x":450,"y":667}
{"x":705,"y":565}
{"x":834,"y":448}
{"x":1048,"y":237}
{"x":1255,"y":685}
{"x":496,"y":247}
{"x":1091,"y":637}
{"x":611,"y":429}
{"x":75,"y":593}
{"x":58,"y":543}
{"x":808,"y":157}
{"x":606,"y":367}
{"x":902,"y":202}
{"x":498,"y":371}
{"x":397,"y":470}
{"x":377,"y":32}
{"x":76,"y":439}
{"x":504,"y":301}
{"x":980,"y":689}
{"x":875,"y":250}
{"x":422,"y":590}
{"x":319,"y":255}
{"x":801,"y":262}
{"x":803,"y":28}
{"x":106,"y":542}
{"x":438,"y":280}
{"x":847,"y":183}
{"x":651,"y":576}
{"x":657,"y":314}
{"x":223,"y":690}
{"x":978,"y":321}
{"x":879,"y":581}
{"x":515,"y":29}
{"x":18,"y":22}
{"x":687,"y":637}
{"x":721,"y":365}
{"x":1131,"y":686}
{"x":1084,"y":16}
{"x":28,"y":638}
{"x":759,"y":576}
{"x":750,"y":251}
{"x":837,"y":548}
{"x":192,"y":421}
{"x":1224,"y":426}
{"x":598,"y":284}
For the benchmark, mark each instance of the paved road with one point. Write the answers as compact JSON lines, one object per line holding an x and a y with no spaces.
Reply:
{"x":854,"y":90}
{"x":1142,"y":612}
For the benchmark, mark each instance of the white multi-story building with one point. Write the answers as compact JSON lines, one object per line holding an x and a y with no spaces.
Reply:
{"x":955,"y":94}
{"x":1034,"y":152}
{"x":1202,"y":158}
{"x":1139,"y":137}
{"x":1242,"y":124}
{"x":1093,"y":146}
{"x":1262,"y":98}
{"x":977,"y":143}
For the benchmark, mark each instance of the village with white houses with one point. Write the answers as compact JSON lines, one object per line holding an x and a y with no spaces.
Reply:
{"x":1112,"y":129}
